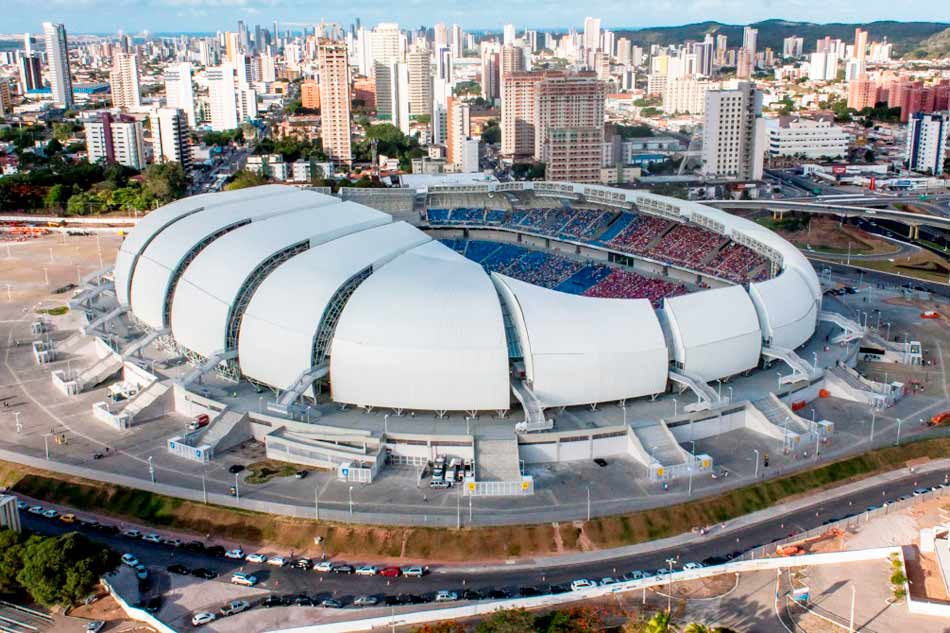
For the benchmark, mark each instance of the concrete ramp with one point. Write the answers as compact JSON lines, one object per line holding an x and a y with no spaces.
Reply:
{"x":497,"y":459}
{"x":759,"y":422}
{"x":660,"y":444}
{"x":707,"y":395}
{"x":226,"y":431}
{"x":847,"y":384}
{"x":777,"y":412}
{"x":149,"y":403}
{"x":99,"y":372}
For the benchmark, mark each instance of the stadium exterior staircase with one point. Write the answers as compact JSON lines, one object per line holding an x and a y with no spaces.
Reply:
{"x":777,"y":412}
{"x":141,"y":343}
{"x":802,"y":370}
{"x":853,"y":330}
{"x":138,"y":406}
{"x":534,"y":418}
{"x":102,"y":320}
{"x":660,"y":444}
{"x":103,"y":369}
{"x":226,"y":431}
{"x":708,"y":397}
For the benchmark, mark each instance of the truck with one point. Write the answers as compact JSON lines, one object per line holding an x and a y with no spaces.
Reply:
{"x":200,"y":421}
{"x":939,"y":418}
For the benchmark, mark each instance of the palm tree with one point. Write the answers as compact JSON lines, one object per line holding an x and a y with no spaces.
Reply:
{"x":659,"y":623}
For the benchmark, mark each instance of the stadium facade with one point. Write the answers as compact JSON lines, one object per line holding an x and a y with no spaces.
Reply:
{"x":290,"y":288}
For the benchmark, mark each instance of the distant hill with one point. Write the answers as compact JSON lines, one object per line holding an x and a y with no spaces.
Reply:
{"x":937,"y":45}
{"x":905,"y":36}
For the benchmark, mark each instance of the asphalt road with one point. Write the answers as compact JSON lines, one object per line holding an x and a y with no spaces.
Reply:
{"x":292,"y":581}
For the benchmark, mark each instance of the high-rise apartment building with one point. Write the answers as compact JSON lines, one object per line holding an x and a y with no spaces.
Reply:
{"x":457,"y":42}
{"x":419,"y":62}
{"x":685,"y":96}
{"x":334,"y":68}
{"x":592,"y":34}
{"x":733,"y":133}
{"x":387,"y":43}
{"x":862,"y":93}
{"x":31,"y":73}
{"x":57,"y":59}
{"x":518,"y":115}
{"x":115,"y":140}
{"x":124,"y":81}
{"x":511,"y":60}
{"x":927,"y":138}
{"x":310,"y":95}
{"x":232,"y":102}
{"x":750,"y":38}
{"x":722,"y":46}
{"x":745,"y":64}
{"x":6,"y":99}
{"x":569,"y":136}
{"x":491,"y":76}
{"x":508,"y":35}
{"x":458,"y":129}
{"x":179,"y":91}
{"x":793,"y":46}
{"x":170,"y":142}
{"x":392,"y":94}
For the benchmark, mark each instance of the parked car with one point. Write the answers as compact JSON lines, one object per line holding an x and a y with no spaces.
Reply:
{"x":36,"y":510}
{"x":366,"y":601}
{"x":178,"y":568}
{"x":173,"y":542}
{"x":331,"y":603}
{"x":300,"y":474}
{"x":247,"y":580}
{"x":302,"y":563}
{"x":130,"y":560}
{"x":277,"y":561}
{"x":471,"y":594}
{"x":95,"y":626}
{"x":141,"y":572}
{"x":50,"y":514}
{"x":22,"y":506}
{"x":413,"y":572}
{"x":234,"y":607}
{"x":581,"y":583}
{"x":390,"y":572}
{"x":203,"y":617}
{"x":343,"y":569}
{"x":194,"y":546}
{"x":215,"y":550}
{"x":366,"y":570}
{"x":235,"y":468}
{"x":323,"y":566}
{"x":609,"y":580}
{"x":204,"y":573}
{"x":689,"y":566}
{"x":272,"y":601}
{"x":235,"y":554}
{"x":303,"y":600}
{"x":68,"y":518}
{"x":444,"y":595}
{"x":153,"y":604}
{"x":256,"y":558}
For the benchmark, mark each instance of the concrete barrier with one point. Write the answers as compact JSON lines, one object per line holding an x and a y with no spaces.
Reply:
{"x":139,"y":615}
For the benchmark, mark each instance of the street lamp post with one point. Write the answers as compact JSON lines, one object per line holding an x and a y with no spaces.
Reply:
{"x":46,"y":444}
{"x":719,"y":393}
{"x":873,"y":415}
{"x":204,"y":487}
{"x":675,"y":404}
{"x":151,"y":469}
{"x":386,"y":423}
{"x":669,"y":590}
{"x":588,"y":503}
{"x":692,"y":462}
{"x":899,"y":431}
{"x":316,"y":503}
{"x":729,"y":387}
{"x":756,"y":451}
{"x":237,"y":489}
{"x":351,"y":500}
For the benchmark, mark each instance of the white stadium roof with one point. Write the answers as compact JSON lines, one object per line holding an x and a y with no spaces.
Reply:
{"x":206,"y":293}
{"x":582,"y":350}
{"x":787,"y":311}
{"x":276,"y":338}
{"x":425,"y":332}
{"x":157,"y":264}
{"x":714,"y":333}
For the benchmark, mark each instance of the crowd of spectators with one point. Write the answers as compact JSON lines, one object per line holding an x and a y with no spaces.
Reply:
{"x":663,"y":240}
{"x":624,"y":284}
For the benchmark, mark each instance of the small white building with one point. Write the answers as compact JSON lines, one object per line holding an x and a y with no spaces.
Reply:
{"x":927,"y":136}
{"x":808,"y":138}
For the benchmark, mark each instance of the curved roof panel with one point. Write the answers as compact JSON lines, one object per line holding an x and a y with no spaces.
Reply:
{"x":425,"y":332}
{"x":585,"y":350}
{"x":279,"y":325}
{"x":209,"y":287}
{"x":155,"y":222}
{"x":787,"y":311}
{"x":152,"y":277}
{"x":714,"y":333}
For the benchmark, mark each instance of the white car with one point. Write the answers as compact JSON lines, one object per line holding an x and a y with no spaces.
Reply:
{"x":608,"y":581}
{"x":174,"y":542}
{"x":132,"y":533}
{"x":130,"y":560}
{"x":22,"y":505}
{"x":152,"y":538}
{"x":324,"y":565}
{"x":237,"y":554}
{"x":50,"y":514}
{"x":636,"y":574}
{"x":444,"y":595}
{"x":35,"y":510}
{"x":582,"y":583}
{"x":95,"y":626}
{"x":202,"y":618}
{"x":366,"y":570}
{"x":413,"y":572}
{"x":277,"y":561}
{"x":141,"y":572}
{"x":689,"y":566}
{"x":366,"y":601}
{"x":234,"y":607}
{"x":247,"y":580}
{"x":256,"y":558}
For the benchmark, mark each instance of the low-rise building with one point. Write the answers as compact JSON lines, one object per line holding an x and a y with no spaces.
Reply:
{"x":808,"y":138}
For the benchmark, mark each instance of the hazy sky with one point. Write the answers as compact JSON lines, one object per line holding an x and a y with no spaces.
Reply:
{"x":134,"y":16}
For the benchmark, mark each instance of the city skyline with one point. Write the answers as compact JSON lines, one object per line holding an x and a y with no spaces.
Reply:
{"x":167,"y":15}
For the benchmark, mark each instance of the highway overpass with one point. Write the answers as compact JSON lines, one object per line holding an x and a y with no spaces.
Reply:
{"x":841,"y":209}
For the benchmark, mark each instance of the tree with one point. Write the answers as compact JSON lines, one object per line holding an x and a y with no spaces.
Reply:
{"x":57,"y":197}
{"x":244,"y":179}
{"x":54,"y":147}
{"x":659,"y":623}
{"x":11,"y":560}
{"x":62,"y":131}
{"x":508,"y":621}
{"x":82,"y":203}
{"x":449,"y":626}
{"x":63,"y":570}
{"x":164,"y":182}
{"x":491,"y":133}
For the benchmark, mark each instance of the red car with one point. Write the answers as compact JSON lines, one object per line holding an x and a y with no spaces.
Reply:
{"x":391,"y":572}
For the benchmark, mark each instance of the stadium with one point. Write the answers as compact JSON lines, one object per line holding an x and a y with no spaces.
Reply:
{"x":302,"y":318}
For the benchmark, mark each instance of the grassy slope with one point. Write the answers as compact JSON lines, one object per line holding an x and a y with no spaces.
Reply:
{"x":490,"y":543}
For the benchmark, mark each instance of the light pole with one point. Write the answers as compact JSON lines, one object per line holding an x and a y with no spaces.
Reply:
{"x":669,"y":590}
{"x":204,"y":487}
{"x":851,"y":621}
{"x":151,"y":469}
{"x":588,"y":503}
{"x":756,"y":451}
{"x":675,"y":405}
{"x":386,"y":423}
{"x":888,"y":330}
{"x":898,"y":432}
{"x":624,"y":415}
{"x":692,"y":462}
{"x":873,"y":415}
{"x":46,"y":444}
{"x":719,"y":394}
{"x":237,"y":488}
{"x":316,"y":503}
{"x":729,"y":387}
{"x":458,"y":509}
{"x":19,"y":427}
{"x":351,"y":500}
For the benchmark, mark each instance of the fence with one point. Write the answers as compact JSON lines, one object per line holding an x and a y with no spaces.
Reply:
{"x":472,"y":488}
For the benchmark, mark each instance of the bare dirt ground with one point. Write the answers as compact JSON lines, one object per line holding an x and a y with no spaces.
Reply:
{"x":826,"y":234}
